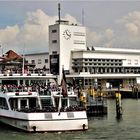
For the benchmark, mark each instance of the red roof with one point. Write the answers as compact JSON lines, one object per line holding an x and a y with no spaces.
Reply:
{"x":11,"y":55}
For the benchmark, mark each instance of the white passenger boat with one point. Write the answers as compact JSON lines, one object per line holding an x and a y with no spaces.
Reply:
{"x":29,"y":104}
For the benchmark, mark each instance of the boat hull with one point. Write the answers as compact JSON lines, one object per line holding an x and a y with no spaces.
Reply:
{"x":49,"y":122}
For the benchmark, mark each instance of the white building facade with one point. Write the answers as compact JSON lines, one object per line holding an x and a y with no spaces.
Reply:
{"x":64,"y":38}
{"x":99,"y":60}
{"x":68,"y":50}
{"x":41,"y":60}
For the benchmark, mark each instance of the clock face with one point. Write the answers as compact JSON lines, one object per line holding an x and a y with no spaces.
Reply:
{"x":67,"y":34}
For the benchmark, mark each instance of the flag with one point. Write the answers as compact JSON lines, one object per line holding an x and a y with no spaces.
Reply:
{"x":64,"y":85}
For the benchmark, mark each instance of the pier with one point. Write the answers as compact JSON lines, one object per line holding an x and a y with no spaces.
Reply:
{"x":125,"y":92}
{"x":97,"y":106}
{"x":94,"y":102}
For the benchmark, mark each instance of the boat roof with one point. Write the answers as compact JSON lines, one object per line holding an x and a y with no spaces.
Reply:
{"x":19,"y":94}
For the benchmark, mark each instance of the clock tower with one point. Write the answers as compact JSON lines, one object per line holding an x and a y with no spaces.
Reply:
{"x":67,"y":34}
{"x":63,"y":39}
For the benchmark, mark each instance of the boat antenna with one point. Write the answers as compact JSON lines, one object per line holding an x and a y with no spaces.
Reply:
{"x":59,"y":13}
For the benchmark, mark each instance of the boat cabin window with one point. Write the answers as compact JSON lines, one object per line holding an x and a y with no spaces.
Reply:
{"x":46,"y":102}
{"x":23,"y":103}
{"x":13,"y":103}
{"x":56,"y":100}
{"x":64,"y":102}
{"x":73,"y":101}
{"x":3,"y":103}
{"x":28,"y":103}
{"x":33,"y":103}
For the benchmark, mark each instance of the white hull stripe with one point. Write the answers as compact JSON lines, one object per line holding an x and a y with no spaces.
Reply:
{"x":43,"y":119}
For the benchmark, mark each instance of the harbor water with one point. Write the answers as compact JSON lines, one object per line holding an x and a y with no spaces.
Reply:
{"x":100,"y":128}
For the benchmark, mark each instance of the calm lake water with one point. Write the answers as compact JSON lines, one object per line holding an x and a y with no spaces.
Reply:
{"x":100,"y":128}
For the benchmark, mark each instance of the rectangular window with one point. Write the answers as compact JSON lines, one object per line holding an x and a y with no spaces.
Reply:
{"x":54,"y":52}
{"x":46,"y":60}
{"x":129,"y":62}
{"x":3,"y":103}
{"x":33,"y":61}
{"x":136,"y":62}
{"x":54,"y":60}
{"x":54,"y":41}
{"x":39,"y":61}
{"x":54,"y":31}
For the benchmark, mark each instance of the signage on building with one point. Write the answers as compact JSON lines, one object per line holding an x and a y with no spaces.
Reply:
{"x":54,"y":64}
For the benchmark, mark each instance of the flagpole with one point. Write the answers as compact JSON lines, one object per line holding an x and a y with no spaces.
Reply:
{"x":60,"y":103}
{"x":23,"y":61}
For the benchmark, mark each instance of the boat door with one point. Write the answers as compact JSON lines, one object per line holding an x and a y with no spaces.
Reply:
{"x":64,"y":102}
{"x":56,"y":100}
{"x":23,"y":103}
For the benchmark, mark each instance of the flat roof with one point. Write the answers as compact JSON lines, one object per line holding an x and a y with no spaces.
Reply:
{"x":40,"y":53}
{"x":97,"y":49}
{"x":109,"y":50}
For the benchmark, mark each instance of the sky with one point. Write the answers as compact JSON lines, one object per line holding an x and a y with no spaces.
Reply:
{"x":109,"y":23}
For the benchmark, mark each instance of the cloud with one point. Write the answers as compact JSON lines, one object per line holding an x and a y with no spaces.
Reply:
{"x":103,"y":39}
{"x":32,"y":35}
{"x":125,"y":34}
{"x":9,"y":33}
{"x":132,"y":28}
{"x":130,"y":25}
{"x":71,"y":19}
{"x":109,"y":33}
{"x":131,"y":22}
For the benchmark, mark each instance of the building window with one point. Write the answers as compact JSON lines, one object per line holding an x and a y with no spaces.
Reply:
{"x":26,"y":61}
{"x":54,"y":52}
{"x":136,"y":62}
{"x":129,"y":62}
{"x":54,"y":31}
{"x":33,"y":61}
{"x":54,"y":41}
{"x":46,"y":60}
{"x":39,"y":61}
{"x":54,"y":60}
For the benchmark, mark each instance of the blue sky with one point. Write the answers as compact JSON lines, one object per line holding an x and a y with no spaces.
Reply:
{"x":110,"y":23}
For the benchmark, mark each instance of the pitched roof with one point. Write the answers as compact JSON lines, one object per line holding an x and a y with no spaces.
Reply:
{"x":11,"y":55}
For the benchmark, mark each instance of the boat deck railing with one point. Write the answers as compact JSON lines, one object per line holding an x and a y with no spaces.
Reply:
{"x":52,"y":109}
{"x":41,"y":89}
{"x":28,"y":72}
